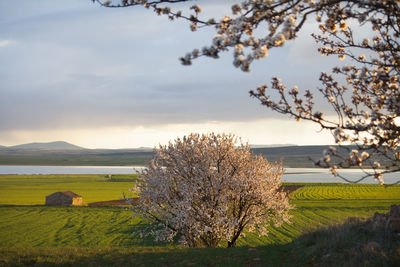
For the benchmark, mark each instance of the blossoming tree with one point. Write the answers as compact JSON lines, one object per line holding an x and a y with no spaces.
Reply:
{"x":363,"y":93}
{"x":206,"y":190}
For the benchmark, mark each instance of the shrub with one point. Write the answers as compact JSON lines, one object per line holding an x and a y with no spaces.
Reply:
{"x":206,"y":189}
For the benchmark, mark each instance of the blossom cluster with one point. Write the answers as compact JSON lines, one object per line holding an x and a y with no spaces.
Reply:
{"x":207,"y":189}
{"x":366,"y":104}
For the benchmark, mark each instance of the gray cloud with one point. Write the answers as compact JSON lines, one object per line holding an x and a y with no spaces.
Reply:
{"x":77,"y":65}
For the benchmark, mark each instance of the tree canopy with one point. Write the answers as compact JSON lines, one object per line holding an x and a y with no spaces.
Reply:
{"x":209,"y":189}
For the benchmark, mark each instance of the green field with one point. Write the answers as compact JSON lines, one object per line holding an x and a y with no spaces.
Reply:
{"x":345,"y":191}
{"x":30,"y":231}
{"x":32,"y":189}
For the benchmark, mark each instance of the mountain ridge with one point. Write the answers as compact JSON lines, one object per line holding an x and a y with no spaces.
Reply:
{"x":62,"y":145}
{"x":56,"y":145}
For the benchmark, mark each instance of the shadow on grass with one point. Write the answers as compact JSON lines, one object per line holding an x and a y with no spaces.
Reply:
{"x":134,"y":239}
{"x":357,"y":242}
{"x":26,"y":206}
{"x":272,"y":255}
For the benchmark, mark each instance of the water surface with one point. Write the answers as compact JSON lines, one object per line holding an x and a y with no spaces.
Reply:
{"x":309,"y":175}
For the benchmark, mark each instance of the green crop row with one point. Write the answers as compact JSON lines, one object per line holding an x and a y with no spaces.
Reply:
{"x":346,"y":191}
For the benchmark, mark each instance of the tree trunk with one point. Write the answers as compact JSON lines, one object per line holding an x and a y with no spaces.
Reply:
{"x":232,"y":242}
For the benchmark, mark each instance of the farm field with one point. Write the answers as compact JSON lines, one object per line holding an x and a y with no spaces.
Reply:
{"x":32,"y":189}
{"x":339,"y":191}
{"x":36,"y":226}
{"x":32,"y":232}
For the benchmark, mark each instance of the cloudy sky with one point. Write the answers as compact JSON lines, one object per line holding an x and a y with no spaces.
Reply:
{"x":111,"y":78}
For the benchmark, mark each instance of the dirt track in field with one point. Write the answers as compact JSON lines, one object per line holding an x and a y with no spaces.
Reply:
{"x":118,"y":202}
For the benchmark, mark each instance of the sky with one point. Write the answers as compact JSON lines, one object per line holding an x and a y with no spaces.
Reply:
{"x":110,"y":78}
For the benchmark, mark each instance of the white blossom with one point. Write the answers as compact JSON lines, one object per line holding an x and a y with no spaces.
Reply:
{"x":207,"y":189}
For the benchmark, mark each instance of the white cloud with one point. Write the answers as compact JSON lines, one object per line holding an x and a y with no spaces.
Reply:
{"x":5,"y":43}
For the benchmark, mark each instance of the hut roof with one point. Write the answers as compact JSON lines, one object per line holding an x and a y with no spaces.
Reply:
{"x":68,"y":193}
{"x":71,"y":194}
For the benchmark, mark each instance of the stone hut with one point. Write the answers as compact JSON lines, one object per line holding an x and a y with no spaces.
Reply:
{"x":65,"y":198}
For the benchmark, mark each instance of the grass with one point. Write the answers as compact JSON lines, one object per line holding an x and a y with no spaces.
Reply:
{"x":147,"y":256}
{"x":41,"y":226}
{"x":346,"y":191}
{"x":82,"y":236}
{"x":32,"y":189}
{"x":357,"y":242}
{"x":38,"y":226}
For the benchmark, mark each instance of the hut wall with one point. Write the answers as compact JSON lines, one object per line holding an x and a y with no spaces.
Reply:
{"x":58,"y":199}
{"x":77,"y":201}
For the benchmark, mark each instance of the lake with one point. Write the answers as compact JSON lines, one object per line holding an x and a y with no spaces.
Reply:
{"x":310,"y":175}
{"x":27,"y":169}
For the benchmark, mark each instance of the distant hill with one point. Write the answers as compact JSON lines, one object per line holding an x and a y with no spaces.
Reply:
{"x":65,"y":154}
{"x":268,"y":146}
{"x":58,"y":145}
